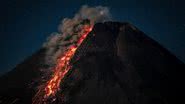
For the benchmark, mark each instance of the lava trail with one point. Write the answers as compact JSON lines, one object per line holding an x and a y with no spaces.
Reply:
{"x":49,"y":89}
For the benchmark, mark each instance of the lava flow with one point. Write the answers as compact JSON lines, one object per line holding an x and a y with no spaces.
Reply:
{"x":60,"y":70}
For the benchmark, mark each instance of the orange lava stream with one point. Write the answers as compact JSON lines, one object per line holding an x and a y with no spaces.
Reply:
{"x":60,"y":70}
{"x":62,"y":66}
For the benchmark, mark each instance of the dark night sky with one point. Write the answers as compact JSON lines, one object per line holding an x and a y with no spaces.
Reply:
{"x":25,"y":24}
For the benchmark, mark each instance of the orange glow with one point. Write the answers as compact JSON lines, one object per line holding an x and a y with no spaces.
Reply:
{"x":63,"y":66}
{"x":60,"y":70}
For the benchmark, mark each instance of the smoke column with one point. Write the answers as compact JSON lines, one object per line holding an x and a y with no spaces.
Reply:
{"x":67,"y":34}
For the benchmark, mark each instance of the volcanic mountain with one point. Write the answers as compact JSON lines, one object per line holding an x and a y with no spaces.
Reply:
{"x":115,"y":64}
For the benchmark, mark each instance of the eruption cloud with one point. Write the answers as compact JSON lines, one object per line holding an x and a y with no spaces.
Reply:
{"x":94,"y":14}
{"x":61,"y":48}
{"x":68,"y":30}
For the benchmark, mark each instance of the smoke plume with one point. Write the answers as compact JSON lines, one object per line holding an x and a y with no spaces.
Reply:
{"x":70,"y":29}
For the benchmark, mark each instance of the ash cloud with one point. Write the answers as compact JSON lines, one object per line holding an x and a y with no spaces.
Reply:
{"x":94,"y":14}
{"x":69,"y":30}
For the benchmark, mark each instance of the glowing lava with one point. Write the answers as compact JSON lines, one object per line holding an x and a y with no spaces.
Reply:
{"x":60,"y":70}
{"x":63,"y":66}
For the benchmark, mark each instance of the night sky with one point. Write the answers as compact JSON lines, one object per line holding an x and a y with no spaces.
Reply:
{"x":25,"y":24}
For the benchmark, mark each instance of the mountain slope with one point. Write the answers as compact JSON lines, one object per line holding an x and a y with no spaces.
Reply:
{"x":115,"y":64}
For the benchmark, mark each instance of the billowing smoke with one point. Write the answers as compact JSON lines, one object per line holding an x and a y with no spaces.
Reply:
{"x":94,"y":14}
{"x":70,"y":30}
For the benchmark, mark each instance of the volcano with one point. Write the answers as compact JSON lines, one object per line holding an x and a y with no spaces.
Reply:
{"x":115,"y":64}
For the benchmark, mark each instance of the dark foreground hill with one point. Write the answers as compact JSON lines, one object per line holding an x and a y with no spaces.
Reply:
{"x":116,"y":64}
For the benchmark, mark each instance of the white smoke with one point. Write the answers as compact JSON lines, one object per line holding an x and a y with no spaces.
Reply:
{"x":94,"y":14}
{"x":68,"y":30}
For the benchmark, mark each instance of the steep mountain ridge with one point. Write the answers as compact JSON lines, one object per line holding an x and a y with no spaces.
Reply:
{"x":116,"y":64}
